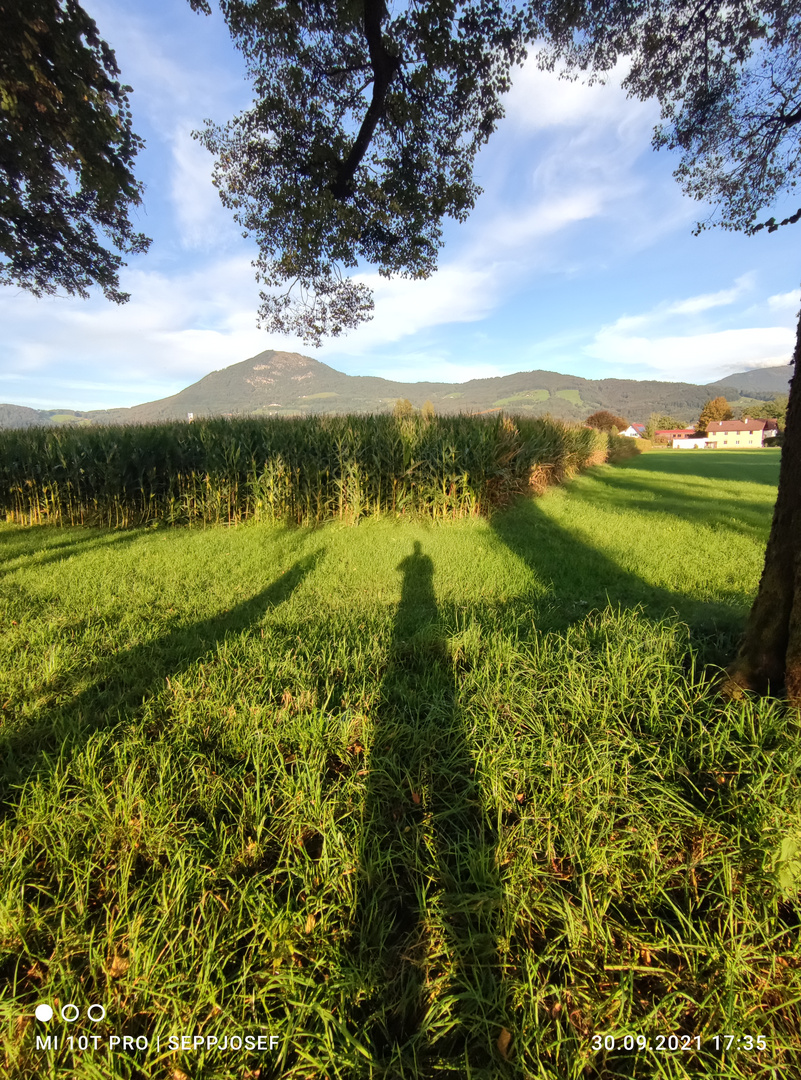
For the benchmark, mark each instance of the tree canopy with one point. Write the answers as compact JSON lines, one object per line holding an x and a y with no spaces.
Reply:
{"x":776,"y":409}
{"x":365,"y":126}
{"x":661,"y":422}
{"x":604,"y":420}
{"x":66,"y":153}
{"x":367,"y":121}
{"x":361,"y":139}
{"x":727,"y":78}
{"x":715,"y":409}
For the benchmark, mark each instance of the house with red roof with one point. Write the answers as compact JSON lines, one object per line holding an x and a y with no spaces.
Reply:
{"x":667,"y":435}
{"x":745,"y":434}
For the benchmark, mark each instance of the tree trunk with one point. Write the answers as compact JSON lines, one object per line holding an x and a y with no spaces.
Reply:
{"x":770,"y":655}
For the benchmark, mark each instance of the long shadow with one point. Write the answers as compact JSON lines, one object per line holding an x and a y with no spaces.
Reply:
{"x":577,"y":578}
{"x":750,"y":466}
{"x":24,"y":548}
{"x":619,"y":490}
{"x":120,"y":683}
{"x":430,"y":893}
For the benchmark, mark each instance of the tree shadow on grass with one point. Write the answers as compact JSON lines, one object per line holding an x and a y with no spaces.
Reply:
{"x":618,"y":490}
{"x":749,"y":466}
{"x":429,"y":892}
{"x":579,"y":578}
{"x":119,"y":685}
{"x":32,"y":546}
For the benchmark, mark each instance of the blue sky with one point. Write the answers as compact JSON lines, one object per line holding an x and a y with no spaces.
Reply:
{"x":578,"y":258}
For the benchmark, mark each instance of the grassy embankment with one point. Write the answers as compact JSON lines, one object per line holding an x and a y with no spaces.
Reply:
{"x":414,"y":798}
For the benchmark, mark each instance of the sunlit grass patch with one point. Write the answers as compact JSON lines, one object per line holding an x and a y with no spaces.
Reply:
{"x":421,"y":799}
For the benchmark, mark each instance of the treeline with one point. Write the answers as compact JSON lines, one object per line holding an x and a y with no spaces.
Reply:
{"x":301,"y":470}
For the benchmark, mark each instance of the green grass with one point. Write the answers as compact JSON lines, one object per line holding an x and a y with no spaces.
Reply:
{"x":572,"y":396}
{"x":525,"y":397}
{"x":390,"y":792}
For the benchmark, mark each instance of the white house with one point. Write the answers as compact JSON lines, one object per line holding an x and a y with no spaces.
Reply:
{"x":692,"y":444}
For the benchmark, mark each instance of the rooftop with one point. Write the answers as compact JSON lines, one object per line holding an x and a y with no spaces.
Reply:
{"x":741,"y":425}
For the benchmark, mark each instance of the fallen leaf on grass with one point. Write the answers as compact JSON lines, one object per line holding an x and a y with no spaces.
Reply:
{"x":504,"y":1042}
{"x":118,"y":966}
{"x":416,"y":798}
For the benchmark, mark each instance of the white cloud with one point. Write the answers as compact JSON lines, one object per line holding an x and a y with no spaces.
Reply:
{"x":455,"y":293}
{"x":696,"y":357}
{"x":509,"y":232}
{"x":180,"y":64}
{"x":662,"y":346}
{"x":541,"y":99}
{"x":788,"y":301}
{"x":538,"y":192}
{"x":569,"y":154}
{"x":694,"y":305}
{"x":175,"y":329}
{"x":202,"y":219}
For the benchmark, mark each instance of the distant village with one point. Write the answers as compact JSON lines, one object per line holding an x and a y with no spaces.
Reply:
{"x":729,"y":433}
{"x":716,"y":428}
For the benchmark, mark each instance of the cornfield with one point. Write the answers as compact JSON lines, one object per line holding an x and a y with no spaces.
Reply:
{"x":296,"y":470}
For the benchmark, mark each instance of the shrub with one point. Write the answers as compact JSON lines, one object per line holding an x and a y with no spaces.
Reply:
{"x":604,"y":420}
{"x":620,"y":448}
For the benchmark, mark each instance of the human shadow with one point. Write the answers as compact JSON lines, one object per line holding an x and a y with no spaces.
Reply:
{"x":119,"y":685}
{"x":429,"y":891}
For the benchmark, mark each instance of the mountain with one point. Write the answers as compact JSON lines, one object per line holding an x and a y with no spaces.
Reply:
{"x":772,"y":380}
{"x":19,"y":416}
{"x":280,"y":383}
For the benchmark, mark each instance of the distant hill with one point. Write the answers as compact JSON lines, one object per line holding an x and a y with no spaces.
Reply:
{"x":760,"y":381}
{"x":18,"y":416}
{"x":281,"y":383}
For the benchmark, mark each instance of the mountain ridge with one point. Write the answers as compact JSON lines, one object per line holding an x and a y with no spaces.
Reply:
{"x":272,"y":384}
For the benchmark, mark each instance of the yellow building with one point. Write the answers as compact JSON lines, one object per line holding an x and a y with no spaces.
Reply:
{"x":744,"y":434}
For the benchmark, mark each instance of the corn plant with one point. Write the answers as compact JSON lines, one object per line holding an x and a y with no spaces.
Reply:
{"x":302,"y":470}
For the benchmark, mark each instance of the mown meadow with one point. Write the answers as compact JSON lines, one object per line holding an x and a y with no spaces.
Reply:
{"x":422,"y":798}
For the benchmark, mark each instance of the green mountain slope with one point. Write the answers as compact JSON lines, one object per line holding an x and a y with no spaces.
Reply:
{"x":282,"y":383}
{"x":757,"y":383}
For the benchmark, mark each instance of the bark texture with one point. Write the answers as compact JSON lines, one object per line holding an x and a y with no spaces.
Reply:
{"x":770,"y":655}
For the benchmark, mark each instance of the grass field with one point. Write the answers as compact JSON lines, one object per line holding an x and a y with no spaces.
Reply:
{"x":438,"y":800}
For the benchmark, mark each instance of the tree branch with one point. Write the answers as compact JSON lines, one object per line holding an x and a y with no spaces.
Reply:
{"x":384,"y":66}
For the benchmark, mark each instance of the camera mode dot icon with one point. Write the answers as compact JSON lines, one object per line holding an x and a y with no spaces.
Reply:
{"x":44,"y":1013}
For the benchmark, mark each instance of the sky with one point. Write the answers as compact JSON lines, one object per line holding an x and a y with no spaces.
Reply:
{"x":579,"y":256}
